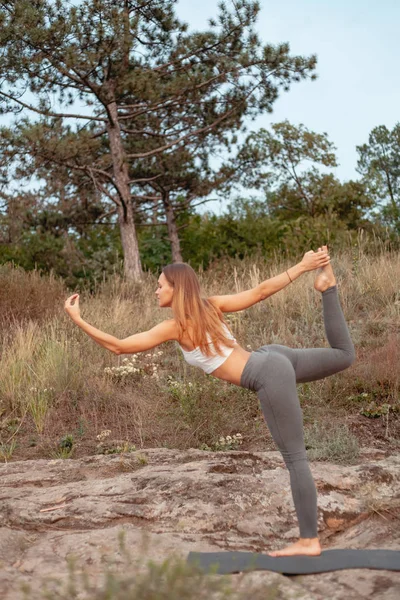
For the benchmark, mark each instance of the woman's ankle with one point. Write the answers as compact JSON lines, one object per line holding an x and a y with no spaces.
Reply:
{"x":309,"y":541}
{"x":330,"y":289}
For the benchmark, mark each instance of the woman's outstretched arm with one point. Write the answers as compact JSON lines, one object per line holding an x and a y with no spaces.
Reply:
{"x":138,"y":342}
{"x":234,"y":302}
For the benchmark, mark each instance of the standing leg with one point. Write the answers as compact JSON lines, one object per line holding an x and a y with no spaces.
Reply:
{"x":276,"y":389}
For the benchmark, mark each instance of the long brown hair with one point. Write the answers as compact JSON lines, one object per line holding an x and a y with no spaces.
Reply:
{"x":190,"y":308}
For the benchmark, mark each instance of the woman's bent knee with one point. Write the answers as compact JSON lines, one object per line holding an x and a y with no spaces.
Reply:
{"x":350,"y":357}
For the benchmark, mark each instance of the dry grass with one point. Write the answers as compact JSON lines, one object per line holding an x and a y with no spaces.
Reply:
{"x":378,"y":498}
{"x":41,"y":349}
{"x":27,"y":296}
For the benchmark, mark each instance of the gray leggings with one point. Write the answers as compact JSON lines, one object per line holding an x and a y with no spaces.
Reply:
{"x":273,"y":371}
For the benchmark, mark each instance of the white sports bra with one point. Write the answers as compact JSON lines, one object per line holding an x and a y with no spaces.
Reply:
{"x":208,"y":363}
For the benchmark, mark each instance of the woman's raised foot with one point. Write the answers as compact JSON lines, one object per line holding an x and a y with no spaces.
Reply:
{"x":325,"y":277}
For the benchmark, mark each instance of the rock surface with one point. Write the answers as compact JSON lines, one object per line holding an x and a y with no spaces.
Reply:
{"x":193,"y":500}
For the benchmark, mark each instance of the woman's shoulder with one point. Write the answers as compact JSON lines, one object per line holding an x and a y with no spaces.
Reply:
{"x":170,"y":324}
{"x":167,"y":329}
{"x":214,"y":303}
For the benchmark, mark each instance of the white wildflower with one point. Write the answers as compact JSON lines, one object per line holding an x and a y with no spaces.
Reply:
{"x":103,"y":434}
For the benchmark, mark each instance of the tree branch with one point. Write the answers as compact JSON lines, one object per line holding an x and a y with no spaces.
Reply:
{"x":184,"y":137}
{"x":142,"y":197}
{"x":102,"y":189}
{"x":144,"y":179}
{"x":50,"y":114}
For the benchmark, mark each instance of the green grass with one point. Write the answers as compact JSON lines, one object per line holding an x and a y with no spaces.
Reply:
{"x":7,"y":450}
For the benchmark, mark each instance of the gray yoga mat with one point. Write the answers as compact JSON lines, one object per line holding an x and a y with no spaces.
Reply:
{"x":328,"y":560}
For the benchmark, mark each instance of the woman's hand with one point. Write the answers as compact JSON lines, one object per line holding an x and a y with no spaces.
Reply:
{"x":315,"y":260}
{"x":72,"y":307}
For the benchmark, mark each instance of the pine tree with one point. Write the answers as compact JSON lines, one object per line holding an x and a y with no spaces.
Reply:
{"x":131,"y":65}
{"x":379,"y":164}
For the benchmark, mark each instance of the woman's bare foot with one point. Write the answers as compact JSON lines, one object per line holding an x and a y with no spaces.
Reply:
{"x":325,"y":277}
{"x":305,"y":546}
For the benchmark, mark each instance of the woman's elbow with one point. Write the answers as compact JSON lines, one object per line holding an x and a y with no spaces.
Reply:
{"x":116,"y":349}
{"x":122,"y":348}
{"x":263,"y":293}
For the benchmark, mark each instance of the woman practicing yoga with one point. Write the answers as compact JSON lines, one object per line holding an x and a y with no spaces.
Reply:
{"x":272,"y":371}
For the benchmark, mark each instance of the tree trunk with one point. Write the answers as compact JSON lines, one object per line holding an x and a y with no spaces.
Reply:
{"x":172,"y":229}
{"x":391,"y":194}
{"x":132,"y":265}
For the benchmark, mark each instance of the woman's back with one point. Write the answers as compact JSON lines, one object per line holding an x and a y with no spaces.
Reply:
{"x":195,"y":357}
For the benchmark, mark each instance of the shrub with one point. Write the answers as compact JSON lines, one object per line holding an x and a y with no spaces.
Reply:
{"x":334,"y":443}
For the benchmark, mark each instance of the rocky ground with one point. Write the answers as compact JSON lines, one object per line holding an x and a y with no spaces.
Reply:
{"x":193,"y":501}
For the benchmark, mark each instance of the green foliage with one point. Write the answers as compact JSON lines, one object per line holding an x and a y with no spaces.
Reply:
{"x":272,"y":158}
{"x":188,"y":396}
{"x":284,"y":163}
{"x":374,"y":410}
{"x":64,"y":447}
{"x":334,"y":443}
{"x":74,"y":258}
{"x":244,"y":230}
{"x":155,"y":248}
{"x":280,"y":225}
{"x":39,"y":402}
{"x":322,"y":196}
{"x":7,"y":450}
{"x":35,"y":250}
{"x":379,"y":164}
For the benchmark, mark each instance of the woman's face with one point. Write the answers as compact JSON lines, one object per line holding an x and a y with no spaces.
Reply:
{"x":164,"y":292}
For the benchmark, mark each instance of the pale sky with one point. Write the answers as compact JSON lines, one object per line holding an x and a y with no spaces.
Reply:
{"x":358,"y":47}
